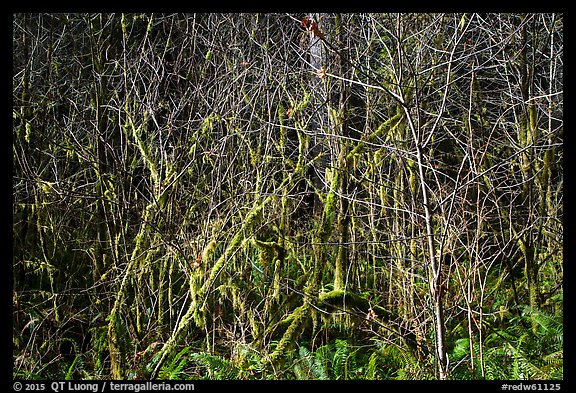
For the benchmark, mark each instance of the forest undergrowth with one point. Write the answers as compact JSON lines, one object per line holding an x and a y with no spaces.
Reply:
{"x":288,"y":196}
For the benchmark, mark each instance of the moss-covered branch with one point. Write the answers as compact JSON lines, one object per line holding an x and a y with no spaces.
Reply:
{"x":197,"y":309}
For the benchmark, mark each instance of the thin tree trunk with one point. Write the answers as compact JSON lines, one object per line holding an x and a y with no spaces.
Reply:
{"x":340,"y":126}
{"x":317,"y":59}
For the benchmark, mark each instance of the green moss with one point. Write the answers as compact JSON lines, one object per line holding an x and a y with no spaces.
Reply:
{"x":329,"y":212}
{"x":118,"y":345}
{"x":208,"y":251}
{"x":302,"y":104}
{"x":533,"y":116}
{"x":276,"y":283}
{"x":266,"y":253}
{"x":339,"y":300}
{"x":296,"y":325}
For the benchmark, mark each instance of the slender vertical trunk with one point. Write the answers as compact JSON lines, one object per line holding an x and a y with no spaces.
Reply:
{"x":317,"y":60}
{"x":435,"y":283}
{"x":340,"y":126}
{"x":527,"y":137}
{"x":433,"y":264}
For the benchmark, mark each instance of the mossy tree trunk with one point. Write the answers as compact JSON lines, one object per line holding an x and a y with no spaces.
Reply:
{"x":528,"y":137}
{"x":340,"y":126}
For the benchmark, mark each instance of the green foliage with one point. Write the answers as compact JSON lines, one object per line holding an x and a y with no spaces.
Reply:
{"x":99,"y":347}
{"x":215,"y":367}
{"x":402,"y":364}
{"x":515,"y":351}
{"x":310,"y":366}
{"x":343,"y":300}
{"x":173,"y":369}
{"x":70,"y":373}
{"x":338,"y":360}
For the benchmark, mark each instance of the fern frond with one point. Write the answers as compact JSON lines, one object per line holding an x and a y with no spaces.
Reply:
{"x":172,"y":370}
{"x":70,"y":373}
{"x":371,"y":367}
{"x":216,"y":367}
{"x":340,"y":360}
{"x":303,"y":367}
{"x":461,"y":349}
{"x":299,"y":372}
{"x":318,"y":369}
{"x":549,"y":324}
{"x":312,"y":365}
